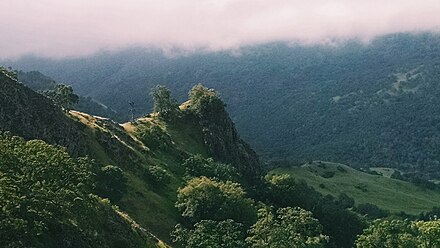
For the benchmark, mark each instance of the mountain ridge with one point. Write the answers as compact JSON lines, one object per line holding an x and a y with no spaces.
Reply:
{"x":320,"y":97}
{"x":141,"y":149}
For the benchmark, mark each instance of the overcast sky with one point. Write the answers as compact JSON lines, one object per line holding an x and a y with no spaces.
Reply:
{"x":57,"y":28}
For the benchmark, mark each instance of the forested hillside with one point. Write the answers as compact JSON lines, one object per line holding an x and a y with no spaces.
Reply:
{"x":138,"y":166}
{"x":180,"y":175}
{"x":361,"y":104}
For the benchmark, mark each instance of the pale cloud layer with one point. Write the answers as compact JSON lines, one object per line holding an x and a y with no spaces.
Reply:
{"x":57,"y":28}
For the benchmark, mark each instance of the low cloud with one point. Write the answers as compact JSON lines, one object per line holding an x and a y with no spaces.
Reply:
{"x":56,"y":28}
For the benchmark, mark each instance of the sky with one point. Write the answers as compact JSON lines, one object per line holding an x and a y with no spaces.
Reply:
{"x":59,"y":28}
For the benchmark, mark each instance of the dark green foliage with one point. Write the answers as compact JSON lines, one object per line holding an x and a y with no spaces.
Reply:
{"x":339,"y":223}
{"x":156,"y":176}
{"x":40,"y":82}
{"x":400,"y":233}
{"x":63,"y":96}
{"x":111,"y":182}
{"x":339,"y":104}
{"x":209,"y":233}
{"x":395,"y":233}
{"x":9,"y":73}
{"x":328,"y":174}
{"x":166,"y":106}
{"x":397,"y":175}
{"x":286,"y":227}
{"x":154,"y":137}
{"x":36,"y":80}
{"x":344,"y":201}
{"x":206,"y":103}
{"x":371,"y":210}
{"x":205,"y":199}
{"x":284,"y":190}
{"x":30,"y":115}
{"x":219,"y":134}
{"x":362,"y":187}
{"x":44,"y":200}
{"x":420,"y":181}
{"x":431,"y":215}
{"x":196,"y":166}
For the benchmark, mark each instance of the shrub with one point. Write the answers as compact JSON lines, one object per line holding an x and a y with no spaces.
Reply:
{"x":371,"y":211}
{"x":111,"y":182}
{"x":157,"y":176}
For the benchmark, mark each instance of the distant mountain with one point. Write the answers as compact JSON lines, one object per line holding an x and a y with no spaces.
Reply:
{"x":40,"y":82}
{"x":364,"y":105}
{"x":30,"y":115}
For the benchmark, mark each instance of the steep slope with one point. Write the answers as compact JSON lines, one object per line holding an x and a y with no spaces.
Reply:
{"x":292,"y":101}
{"x":149,"y":151}
{"x":389,"y":194}
{"x":30,"y":115}
{"x":46,"y":202}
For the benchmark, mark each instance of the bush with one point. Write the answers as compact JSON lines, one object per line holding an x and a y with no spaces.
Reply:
{"x":206,"y":199}
{"x":156,"y":176}
{"x":111,"y":182}
{"x":328,"y":174}
{"x":196,"y":166}
{"x":209,"y":233}
{"x":46,"y":202}
{"x":153,"y":136}
{"x":286,"y":227}
{"x":371,"y":211}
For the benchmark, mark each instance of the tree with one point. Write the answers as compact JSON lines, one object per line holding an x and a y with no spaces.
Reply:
{"x":287,"y":227}
{"x":386,"y":233}
{"x":156,"y":176}
{"x":371,"y":210}
{"x":209,"y":233}
{"x":284,"y":190}
{"x":429,"y":233}
{"x":206,"y":199}
{"x":45,"y":200}
{"x":196,"y":166}
{"x":401,"y":233}
{"x":62,"y":96}
{"x":205,"y":102}
{"x":111,"y":182}
{"x":8,"y":72}
{"x":339,"y":223}
{"x":166,"y":106}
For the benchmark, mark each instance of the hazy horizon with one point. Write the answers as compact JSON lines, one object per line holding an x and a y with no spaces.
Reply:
{"x":76,"y":28}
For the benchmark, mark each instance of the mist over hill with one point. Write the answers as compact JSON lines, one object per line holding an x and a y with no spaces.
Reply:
{"x":362,"y":104}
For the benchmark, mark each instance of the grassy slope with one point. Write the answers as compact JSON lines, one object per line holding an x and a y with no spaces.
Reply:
{"x":390,"y":194}
{"x":152,"y":208}
{"x":155,"y":213}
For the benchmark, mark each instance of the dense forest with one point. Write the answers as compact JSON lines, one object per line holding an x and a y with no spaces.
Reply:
{"x":361,"y":104}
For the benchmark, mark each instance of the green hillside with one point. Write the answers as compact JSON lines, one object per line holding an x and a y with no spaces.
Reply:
{"x":147,"y":153}
{"x":179,"y":176}
{"x":361,"y":104}
{"x":389,"y":194}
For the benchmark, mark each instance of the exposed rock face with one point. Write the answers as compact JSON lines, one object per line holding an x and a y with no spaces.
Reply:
{"x":224,"y":144}
{"x":28,"y":114}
